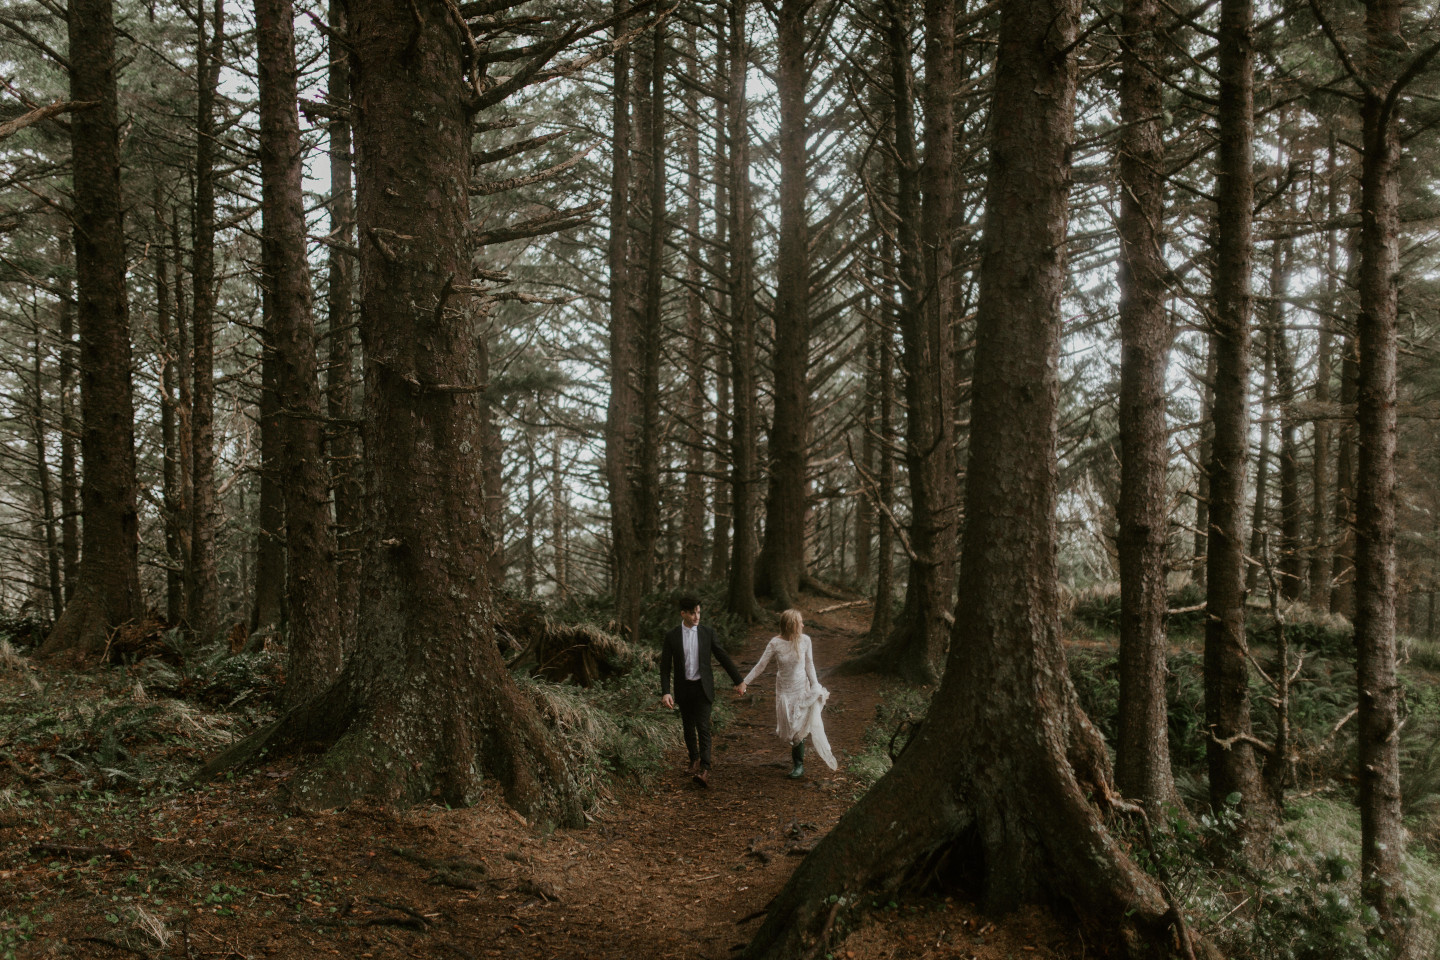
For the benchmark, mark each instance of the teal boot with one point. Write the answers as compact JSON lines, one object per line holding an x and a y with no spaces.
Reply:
{"x":797,"y":757}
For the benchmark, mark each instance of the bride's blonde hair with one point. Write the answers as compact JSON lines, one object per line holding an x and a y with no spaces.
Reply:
{"x":790,"y":624}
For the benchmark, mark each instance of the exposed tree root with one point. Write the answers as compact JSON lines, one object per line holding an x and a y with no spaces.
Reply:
{"x":403,"y":741}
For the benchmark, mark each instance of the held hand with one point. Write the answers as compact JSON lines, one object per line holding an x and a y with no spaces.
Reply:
{"x":668,"y":702}
{"x":739,"y":689}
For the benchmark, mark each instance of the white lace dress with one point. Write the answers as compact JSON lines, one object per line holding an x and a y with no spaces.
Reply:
{"x":799,"y":698}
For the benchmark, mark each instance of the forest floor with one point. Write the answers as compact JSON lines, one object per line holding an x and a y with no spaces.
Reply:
{"x":667,"y":870}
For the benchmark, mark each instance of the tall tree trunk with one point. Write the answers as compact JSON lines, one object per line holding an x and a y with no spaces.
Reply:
{"x":559,"y":515}
{"x":782,"y":557}
{"x":185,"y":389}
{"x":44,"y":484}
{"x":1232,"y":764}
{"x":720,"y":546}
{"x":998,"y":775}
{"x":623,"y":413}
{"x":882,"y":622}
{"x":916,"y":643}
{"x":744,"y":469}
{"x":69,"y":431}
{"x":1142,"y":751}
{"x":109,"y":590}
{"x":313,"y":634}
{"x":1291,"y":559}
{"x":340,"y":379}
{"x":865,"y":513}
{"x":172,"y":496}
{"x":1342,"y":575}
{"x":1382,"y":832}
{"x":1259,"y":517}
{"x":692,"y":522}
{"x":1322,"y":550}
{"x":425,"y":707}
{"x":268,"y":612}
{"x":1202,"y":473}
{"x":202,"y":606}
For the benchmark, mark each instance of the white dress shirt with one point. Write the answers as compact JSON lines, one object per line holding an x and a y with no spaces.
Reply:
{"x":690,"y":640}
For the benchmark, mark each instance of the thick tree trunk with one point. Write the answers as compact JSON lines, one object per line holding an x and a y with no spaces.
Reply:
{"x":782,"y":557}
{"x":1232,"y":764}
{"x":1000,"y":771}
{"x":1142,"y":752}
{"x":1382,"y":831}
{"x":108,"y":593}
{"x":425,"y":707}
{"x":202,"y":606}
{"x":624,"y":416}
{"x":340,"y":376}
{"x":744,"y":470}
{"x":313,"y":635}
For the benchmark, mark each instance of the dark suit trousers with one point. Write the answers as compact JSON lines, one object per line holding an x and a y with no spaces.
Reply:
{"x":695,"y":717}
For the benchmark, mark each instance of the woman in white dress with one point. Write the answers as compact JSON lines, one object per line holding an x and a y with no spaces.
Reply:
{"x":799,"y":698}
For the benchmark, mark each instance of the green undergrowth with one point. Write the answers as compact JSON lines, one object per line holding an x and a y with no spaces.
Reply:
{"x":1299,"y":899}
{"x":898,"y":713}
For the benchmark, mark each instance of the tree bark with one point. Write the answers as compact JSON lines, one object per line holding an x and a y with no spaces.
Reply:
{"x":916,"y":644}
{"x":1322,"y":547}
{"x":1382,"y":832}
{"x":43,"y":483}
{"x":781,"y":565}
{"x":108,"y":593}
{"x":1142,"y":751}
{"x":425,"y":707}
{"x":69,"y":431}
{"x":1292,"y":513}
{"x":625,"y":466}
{"x":1232,"y":764}
{"x":313,"y":635}
{"x":172,"y":496}
{"x":743,"y":466}
{"x":202,"y":607}
{"x":692,"y":522}
{"x":1012,"y":801}
{"x":340,"y":378}
{"x":268,"y":613}
{"x":1202,"y":473}
{"x":1259,"y":517}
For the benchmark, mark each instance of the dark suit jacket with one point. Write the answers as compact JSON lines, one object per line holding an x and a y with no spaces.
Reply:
{"x":672,"y":661}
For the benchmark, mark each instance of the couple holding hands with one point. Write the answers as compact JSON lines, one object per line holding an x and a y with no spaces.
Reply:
{"x":799,"y":698}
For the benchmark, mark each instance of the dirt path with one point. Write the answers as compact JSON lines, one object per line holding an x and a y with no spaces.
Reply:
{"x":670,"y":870}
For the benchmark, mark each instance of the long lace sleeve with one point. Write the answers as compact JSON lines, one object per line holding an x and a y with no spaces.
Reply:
{"x":810,"y":665}
{"x":760,"y":665}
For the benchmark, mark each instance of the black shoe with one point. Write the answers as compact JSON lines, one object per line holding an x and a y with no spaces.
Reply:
{"x":702,"y":777}
{"x":797,"y":759}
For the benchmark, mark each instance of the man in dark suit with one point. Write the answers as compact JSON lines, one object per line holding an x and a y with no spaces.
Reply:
{"x":685,"y":660}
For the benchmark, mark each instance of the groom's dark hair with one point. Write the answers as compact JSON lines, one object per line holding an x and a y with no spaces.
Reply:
{"x":687,"y":601}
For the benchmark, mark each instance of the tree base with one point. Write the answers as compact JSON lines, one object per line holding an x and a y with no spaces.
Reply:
{"x":83,"y":630}
{"x":380,"y":744}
